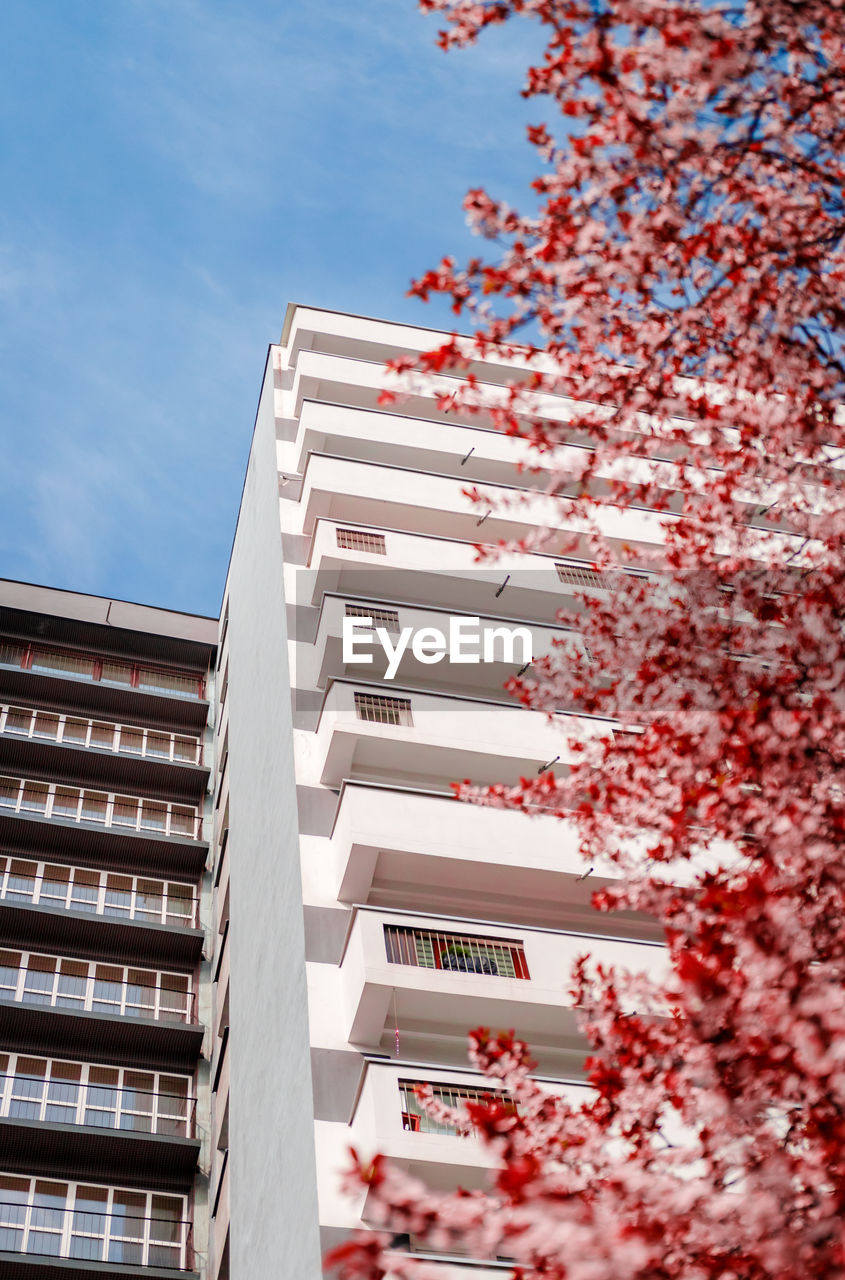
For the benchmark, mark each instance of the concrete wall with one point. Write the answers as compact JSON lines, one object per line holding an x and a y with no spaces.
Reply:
{"x":271,"y":1154}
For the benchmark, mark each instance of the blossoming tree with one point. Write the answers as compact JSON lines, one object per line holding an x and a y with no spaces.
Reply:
{"x":679,"y":285}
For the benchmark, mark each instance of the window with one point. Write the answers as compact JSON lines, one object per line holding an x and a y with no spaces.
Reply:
{"x":93,"y":1224}
{"x":11,"y":654}
{"x":63,"y":983}
{"x":18,"y":720}
{"x":103,"y":735}
{"x":56,"y":662}
{"x":100,"y":892}
{"x":378,"y":709}
{"x":362,"y":540}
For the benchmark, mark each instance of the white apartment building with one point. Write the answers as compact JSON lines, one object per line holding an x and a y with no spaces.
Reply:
{"x":364,"y":919}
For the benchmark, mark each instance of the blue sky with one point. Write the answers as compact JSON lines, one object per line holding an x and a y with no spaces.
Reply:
{"x":174,"y":172}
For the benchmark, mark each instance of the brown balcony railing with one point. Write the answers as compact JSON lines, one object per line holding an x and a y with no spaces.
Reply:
{"x":416,"y":1120}
{"x":456,"y":952}
{"x":100,"y":735}
{"x":89,"y":987}
{"x":145,"y":676}
{"x":97,"y":1105}
{"x":94,"y":1224}
{"x":107,"y":809}
{"x":102,"y":893}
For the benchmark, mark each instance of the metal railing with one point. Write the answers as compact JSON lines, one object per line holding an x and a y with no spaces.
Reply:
{"x":101,"y":893}
{"x":98,"y":1106}
{"x":106,"y":808}
{"x":416,"y":1120}
{"x":378,"y":617}
{"x":361,"y":540}
{"x":146,"y":676}
{"x":102,"y":735}
{"x":92,"y":1235}
{"x":88,"y":987}
{"x":378,"y":709}
{"x":458,"y":953}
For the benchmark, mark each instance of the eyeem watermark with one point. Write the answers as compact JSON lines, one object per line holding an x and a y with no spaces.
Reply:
{"x":466,"y":642}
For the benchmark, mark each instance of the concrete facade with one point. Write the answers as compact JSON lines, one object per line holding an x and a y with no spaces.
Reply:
{"x":373,"y":919}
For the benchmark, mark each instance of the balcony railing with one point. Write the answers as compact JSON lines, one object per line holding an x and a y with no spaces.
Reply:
{"x":92,"y":1224}
{"x":75,"y":804}
{"x":102,"y":735}
{"x":146,"y":677}
{"x":88,"y":987}
{"x":416,"y":1120}
{"x":458,"y":953}
{"x":102,"y":893}
{"x":99,"y":1106}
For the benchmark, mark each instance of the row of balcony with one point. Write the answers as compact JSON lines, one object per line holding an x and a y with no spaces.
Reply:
{"x":353,"y":490}
{"x":89,"y":987}
{"x":422,"y":972}
{"x":504,"y":644}
{"x":93,"y":1224}
{"x":100,"y":893}
{"x":100,"y":735}
{"x":378,"y":733}
{"x":52,"y":800}
{"x":389,"y":1117}
{"x":80,"y":665}
{"x":73,"y":1093}
{"x":397,"y":564}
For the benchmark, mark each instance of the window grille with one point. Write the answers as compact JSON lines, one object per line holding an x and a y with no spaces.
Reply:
{"x":361,"y":540}
{"x":459,"y":953}
{"x":575,"y":574}
{"x":387,"y":618}
{"x":378,"y":709}
{"x":415,"y":1118}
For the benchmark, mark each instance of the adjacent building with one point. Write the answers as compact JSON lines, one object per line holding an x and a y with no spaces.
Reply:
{"x":105,"y":992}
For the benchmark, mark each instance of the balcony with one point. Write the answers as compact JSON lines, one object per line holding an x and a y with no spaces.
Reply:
{"x":76,"y":804}
{"x":459,"y":448}
{"x":389,"y":1118}
{"x":162,"y":763}
{"x":100,"y":827}
{"x":100,"y":913}
{"x":435,"y":571}
{"x":433,"y":978}
{"x":70,"y":1119}
{"x":317,"y":665}
{"x":142,"y":1017}
{"x":55,"y":1230}
{"x":378,"y":733}
{"x":158,"y":696}
{"x":396,"y":847}
{"x":353,"y":490}
{"x":100,"y":735}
